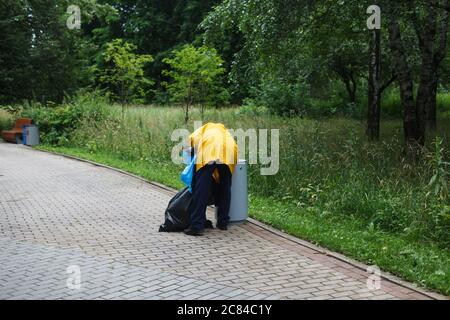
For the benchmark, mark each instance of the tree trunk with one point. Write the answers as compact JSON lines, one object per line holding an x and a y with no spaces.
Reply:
{"x":433,"y":43}
{"x":426,"y":35}
{"x":439,"y":55}
{"x":351,"y":86}
{"x":424,"y":97}
{"x":432,"y":112}
{"x":188,"y":103}
{"x":347,"y":79}
{"x":374,"y":94}
{"x":186,"y":113}
{"x":122,"y":99}
{"x":405,"y":82}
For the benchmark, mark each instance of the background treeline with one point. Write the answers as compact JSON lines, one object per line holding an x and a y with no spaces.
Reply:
{"x":292,"y":56}
{"x":43,"y":60}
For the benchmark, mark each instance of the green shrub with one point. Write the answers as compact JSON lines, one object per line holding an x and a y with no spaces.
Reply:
{"x":283,"y":98}
{"x":335,"y":107}
{"x":6,"y":120}
{"x":57,"y":123}
{"x":250,"y":108}
{"x":292,"y":99}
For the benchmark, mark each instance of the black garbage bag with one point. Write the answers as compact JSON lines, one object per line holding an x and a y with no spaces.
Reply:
{"x":177,"y":214}
{"x":177,"y":217}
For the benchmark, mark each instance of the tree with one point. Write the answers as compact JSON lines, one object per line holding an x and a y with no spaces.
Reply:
{"x":195,"y":76}
{"x":291,"y":41}
{"x":124,"y":71}
{"x":431,"y":34}
{"x":157,"y":27}
{"x":374,"y":93}
{"x":375,"y":88}
{"x":40,"y":58}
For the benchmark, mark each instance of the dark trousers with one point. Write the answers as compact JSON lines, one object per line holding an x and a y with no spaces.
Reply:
{"x":203,"y":184}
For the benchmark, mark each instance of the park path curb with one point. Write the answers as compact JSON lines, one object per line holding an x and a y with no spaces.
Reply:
{"x":385,"y":275}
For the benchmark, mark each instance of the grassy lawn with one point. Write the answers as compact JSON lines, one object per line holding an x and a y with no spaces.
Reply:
{"x":423,"y":263}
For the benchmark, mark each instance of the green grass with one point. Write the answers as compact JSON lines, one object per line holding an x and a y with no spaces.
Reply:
{"x":421,"y":262}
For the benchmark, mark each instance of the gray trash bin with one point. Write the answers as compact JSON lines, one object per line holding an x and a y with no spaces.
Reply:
{"x":31,"y":135}
{"x":239,"y":193}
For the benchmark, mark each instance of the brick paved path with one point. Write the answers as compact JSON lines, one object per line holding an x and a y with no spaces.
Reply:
{"x":57,"y":212}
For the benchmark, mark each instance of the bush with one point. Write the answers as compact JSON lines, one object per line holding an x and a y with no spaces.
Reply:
{"x":6,"y":120}
{"x":56,"y":123}
{"x":336,"y":107}
{"x":252,"y":109}
{"x":286,"y":99}
{"x":283,"y":98}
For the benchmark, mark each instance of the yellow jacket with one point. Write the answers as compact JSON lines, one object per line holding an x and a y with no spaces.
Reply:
{"x":213,"y":143}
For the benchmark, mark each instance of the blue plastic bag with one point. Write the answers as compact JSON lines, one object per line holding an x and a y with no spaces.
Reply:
{"x":188,"y":173}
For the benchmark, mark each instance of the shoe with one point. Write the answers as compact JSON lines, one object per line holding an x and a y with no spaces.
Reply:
{"x":193,"y":232}
{"x":209,"y":224}
{"x":222,"y":227}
